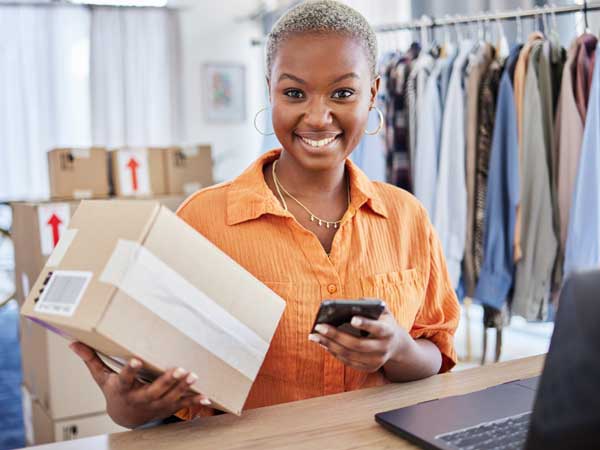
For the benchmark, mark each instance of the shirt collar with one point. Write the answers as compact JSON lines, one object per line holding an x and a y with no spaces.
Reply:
{"x":249,"y":197}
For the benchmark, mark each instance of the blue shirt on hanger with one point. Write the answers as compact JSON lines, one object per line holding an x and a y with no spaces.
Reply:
{"x":583,"y":238}
{"x":502,"y":198}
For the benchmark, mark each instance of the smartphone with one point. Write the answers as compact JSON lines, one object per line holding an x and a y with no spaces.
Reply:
{"x":339,"y":313}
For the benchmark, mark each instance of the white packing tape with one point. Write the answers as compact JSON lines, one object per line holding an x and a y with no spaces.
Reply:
{"x":190,"y":151}
{"x":81,"y":153}
{"x":151,"y":282}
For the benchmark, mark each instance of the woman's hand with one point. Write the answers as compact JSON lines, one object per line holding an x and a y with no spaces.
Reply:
{"x":131,"y":403}
{"x":386,"y":340}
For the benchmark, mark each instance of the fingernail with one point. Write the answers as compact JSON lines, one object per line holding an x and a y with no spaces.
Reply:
{"x":135,"y":363}
{"x":321,"y":329}
{"x":356,"y":322}
{"x":205,"y":402}
{"x":314,"y":338}
{"x":192,"y":378}
{"x":178,"y":373}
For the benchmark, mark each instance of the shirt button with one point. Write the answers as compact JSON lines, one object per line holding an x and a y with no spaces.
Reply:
{"x":332,"y":288}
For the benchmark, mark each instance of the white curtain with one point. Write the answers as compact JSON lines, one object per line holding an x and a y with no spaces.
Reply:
{"x":73,"y":76}
{"x":135,"y":77}
{"x":44,"y":92}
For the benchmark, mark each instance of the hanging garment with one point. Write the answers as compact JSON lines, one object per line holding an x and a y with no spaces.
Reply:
{"x":450,"y":214}
{"x":568,"y":139}
{"x":584,"y":68}
{"x":583,"y":241}
{"x":369,"y":156}
{"x":478,"y":65}
{"x":496,"y":277}
{"x":429,"y":128}
{"x":488,"y":94}
{"x":557,"y":56}
{"x":415,"y":89}
{"x":533,"y":273}
{"x":398,"y":157}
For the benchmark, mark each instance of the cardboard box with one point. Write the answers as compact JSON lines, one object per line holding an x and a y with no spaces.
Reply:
{"x":51,"y":371}
{"x":188,"y":169}
{"x":138,"y":172}
{"x":55,"y":376}
{"x":36,"y":229}
{"x":78,"y":173}
{"x":40,"y":428}
{"x":132,"y":279}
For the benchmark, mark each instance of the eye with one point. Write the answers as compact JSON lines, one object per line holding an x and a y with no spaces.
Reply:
{"x":294,"y":93}
{"x":342,"y":93}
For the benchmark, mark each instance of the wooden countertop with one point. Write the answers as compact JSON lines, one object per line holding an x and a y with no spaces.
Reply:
{"x":342,"y":421}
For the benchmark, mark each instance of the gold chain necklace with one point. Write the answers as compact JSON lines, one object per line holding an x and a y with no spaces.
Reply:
{"x":313,"y":218}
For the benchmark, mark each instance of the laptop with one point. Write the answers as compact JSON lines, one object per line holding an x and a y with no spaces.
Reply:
{"x":559,"y":410}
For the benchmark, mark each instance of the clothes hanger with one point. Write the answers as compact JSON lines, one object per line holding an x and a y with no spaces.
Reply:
{"x":502,"y":49}
{"x":519,"y":27}
{"x":553,"y":36}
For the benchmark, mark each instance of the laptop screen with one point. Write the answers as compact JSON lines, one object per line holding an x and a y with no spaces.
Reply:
{"x":567,"y":408}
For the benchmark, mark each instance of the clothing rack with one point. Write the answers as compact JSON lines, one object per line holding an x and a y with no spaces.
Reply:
{"x":426,"y":22}
{"x":518,"y":14}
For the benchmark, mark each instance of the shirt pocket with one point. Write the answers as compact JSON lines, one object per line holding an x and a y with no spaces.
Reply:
{"x":401,"y":291}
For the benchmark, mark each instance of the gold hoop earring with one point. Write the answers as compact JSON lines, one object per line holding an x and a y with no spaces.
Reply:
{"x":373,"y":133}
{"x":256,"y":126}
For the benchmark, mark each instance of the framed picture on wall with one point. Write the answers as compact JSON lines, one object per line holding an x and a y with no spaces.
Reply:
{"x":224,"y":92}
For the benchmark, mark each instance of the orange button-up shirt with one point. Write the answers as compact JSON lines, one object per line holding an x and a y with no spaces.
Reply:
{"x":385,"y":248}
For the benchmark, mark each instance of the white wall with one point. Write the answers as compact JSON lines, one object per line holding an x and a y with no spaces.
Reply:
{"x":211,"y":33}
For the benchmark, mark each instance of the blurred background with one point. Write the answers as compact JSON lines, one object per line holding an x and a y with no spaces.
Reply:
{"x":155,"y":73}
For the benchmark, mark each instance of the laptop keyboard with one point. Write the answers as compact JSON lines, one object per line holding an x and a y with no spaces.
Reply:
{"x":504,"y":434}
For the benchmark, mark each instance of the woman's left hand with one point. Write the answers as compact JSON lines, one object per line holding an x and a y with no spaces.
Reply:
{"x":386,"y":340}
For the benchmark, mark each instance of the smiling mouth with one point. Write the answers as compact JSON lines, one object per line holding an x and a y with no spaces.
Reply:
{"x":320,"y":143}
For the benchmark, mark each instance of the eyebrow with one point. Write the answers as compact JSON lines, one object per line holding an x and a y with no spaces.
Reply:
{"x":289,"y":76}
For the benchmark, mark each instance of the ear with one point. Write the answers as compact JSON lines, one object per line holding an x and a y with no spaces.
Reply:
{"x":374,"y":89}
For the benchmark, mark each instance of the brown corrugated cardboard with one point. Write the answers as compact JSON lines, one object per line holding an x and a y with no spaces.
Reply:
{"x":138,"y":172}
{"x":193,"y":306}
{"x":50,"y":370}
{"x":37,"y":227}
{"x":55,"y":376}
{"x":78,"y":173}
{"x":188,"y":169}
{"x":40,"y":428}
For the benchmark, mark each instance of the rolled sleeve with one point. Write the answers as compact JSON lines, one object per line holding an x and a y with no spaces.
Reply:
{"x":439,"y":315}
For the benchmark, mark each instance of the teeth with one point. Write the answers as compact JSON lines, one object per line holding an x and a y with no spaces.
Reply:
{"x":321,"y":143}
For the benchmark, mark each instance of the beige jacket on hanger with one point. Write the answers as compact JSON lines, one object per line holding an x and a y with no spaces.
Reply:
{"x":519,"y":85}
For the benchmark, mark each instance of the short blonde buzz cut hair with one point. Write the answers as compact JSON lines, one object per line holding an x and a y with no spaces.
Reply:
{"x":322,"y":16}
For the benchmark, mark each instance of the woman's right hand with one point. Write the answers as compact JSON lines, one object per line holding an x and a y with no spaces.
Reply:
{"x":131,"y":403}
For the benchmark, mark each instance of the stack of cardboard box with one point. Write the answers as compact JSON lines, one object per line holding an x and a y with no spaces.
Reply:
{"x":61,"y":400}
{"x":131,"y":279}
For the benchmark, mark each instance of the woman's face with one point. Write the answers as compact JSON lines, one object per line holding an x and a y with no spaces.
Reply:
{"x":321,"y":90}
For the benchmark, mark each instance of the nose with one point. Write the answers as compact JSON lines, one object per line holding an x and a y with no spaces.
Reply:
{"x":318,"y":114}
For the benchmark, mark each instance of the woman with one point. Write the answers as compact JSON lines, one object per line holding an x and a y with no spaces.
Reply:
{"x":310,"y":225}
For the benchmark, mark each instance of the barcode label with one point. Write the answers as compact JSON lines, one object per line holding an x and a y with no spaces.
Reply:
{"x":63,"y":292}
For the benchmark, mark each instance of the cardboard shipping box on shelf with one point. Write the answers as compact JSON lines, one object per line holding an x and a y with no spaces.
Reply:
{"x":188,"y":169}
{"x":41,"y":428}
{"x":36,"y":230}
{"x":51,"y":371}
{"x":138,"y":172}
{"x":78,"y":173}
{"x":130,"y":278}
{"x":55,"y":376}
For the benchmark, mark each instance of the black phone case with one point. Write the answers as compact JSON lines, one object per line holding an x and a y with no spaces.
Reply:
{"x":339,"y":313}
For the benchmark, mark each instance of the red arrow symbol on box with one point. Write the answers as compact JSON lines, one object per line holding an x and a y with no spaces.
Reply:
{"x":54,"y":222}
{"x":133,"y":166}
